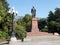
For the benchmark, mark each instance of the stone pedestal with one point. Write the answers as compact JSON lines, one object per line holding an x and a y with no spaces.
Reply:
{"x":35,"y":30}
{"x":34,"y":25}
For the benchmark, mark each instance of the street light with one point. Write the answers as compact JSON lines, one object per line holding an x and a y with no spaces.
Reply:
{"x":13,"y":12}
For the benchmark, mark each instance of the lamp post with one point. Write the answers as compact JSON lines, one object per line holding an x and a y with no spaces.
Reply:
{"x":13,"y":12}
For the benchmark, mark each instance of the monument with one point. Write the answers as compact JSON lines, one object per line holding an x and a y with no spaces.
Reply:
{"x":34,"y":21}
{"x":35,"y":30}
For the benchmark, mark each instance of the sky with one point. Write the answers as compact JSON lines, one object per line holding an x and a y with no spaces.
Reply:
{"x":42,"y":6}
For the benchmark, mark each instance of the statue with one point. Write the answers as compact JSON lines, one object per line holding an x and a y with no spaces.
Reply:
{"x":33,"y":11}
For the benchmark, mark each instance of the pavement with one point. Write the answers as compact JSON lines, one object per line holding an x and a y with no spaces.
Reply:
{"x":39,"y":40}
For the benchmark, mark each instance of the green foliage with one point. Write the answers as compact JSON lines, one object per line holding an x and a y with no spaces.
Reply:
{"x":0,"y":19}
{"x":2,"y":13}
{"x":42,"y":23}
{"x":23,"y":25}
{"x":27,"y":19}
{"x":8,"y":22}
{"x":20,"y":22}
{"x":51,"y":16}
{"x":44,"y":30}
{"x":5,"y":5}
{"x":20,"y":32}
{"x":58,"y":25}
{"x":54,"y":21}
{"x":3,"y":35}
{"x":5,"y":18}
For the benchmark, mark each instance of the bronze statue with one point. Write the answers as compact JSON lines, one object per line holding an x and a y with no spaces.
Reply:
{"x":33,"y":11}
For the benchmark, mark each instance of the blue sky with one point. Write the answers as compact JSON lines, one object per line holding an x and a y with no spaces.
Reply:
{"x":42,"y":6}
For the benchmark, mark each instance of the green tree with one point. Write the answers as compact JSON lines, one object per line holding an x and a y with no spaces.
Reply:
{"x":20,"y":29}
{"x":2,"y":15}
{"x":4,"y":18}
{"x":57,"y":14}
{"x":20,"y":32}
{"x":20,"y":22}
{"x":51,"y":16}
{"x":5,"y":4}
{"x":42,"y":23}
{"x":27,"y":19}
{"x":54,"y":21}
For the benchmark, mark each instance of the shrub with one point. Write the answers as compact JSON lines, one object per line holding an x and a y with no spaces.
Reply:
{"x":3,"y":35}
{"x":44,"y":30}
{"x":20,"y":32}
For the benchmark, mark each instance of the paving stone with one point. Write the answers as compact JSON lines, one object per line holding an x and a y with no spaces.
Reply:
{"x":40,"y":40}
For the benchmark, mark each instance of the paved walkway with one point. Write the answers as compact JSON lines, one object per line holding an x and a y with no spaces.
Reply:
{"x":40,"y":40}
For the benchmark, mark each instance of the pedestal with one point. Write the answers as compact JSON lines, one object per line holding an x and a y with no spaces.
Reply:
{"x":35,"y":30}
{"x":35,"y":25}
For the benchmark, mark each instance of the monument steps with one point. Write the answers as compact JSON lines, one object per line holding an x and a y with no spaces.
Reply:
{"x":38,"y":34}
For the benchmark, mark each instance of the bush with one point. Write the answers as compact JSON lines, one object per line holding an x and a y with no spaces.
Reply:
{"x":44,"y":30}
{"x":20,"y":32}
{"x":3,"y":35}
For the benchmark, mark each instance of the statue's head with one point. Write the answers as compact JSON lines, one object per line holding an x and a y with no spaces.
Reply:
{"x":33,"y":6}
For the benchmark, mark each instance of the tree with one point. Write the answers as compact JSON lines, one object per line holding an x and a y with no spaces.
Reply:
{"x":5,"y":18}
{"x":27,"y":19}
{"x":42,"y":23}
{"x":5,"y":4}
{"x":4,"y":21}
{"x":20,"y":30}
{"x":57,"y":13}
{"x":20,"y":22}
{"x":2,"y":15}
{"x":51,"y":16}
{"x":54,"y":20}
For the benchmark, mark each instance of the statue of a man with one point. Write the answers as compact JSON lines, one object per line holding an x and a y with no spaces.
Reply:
{"x":33,"y":11}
